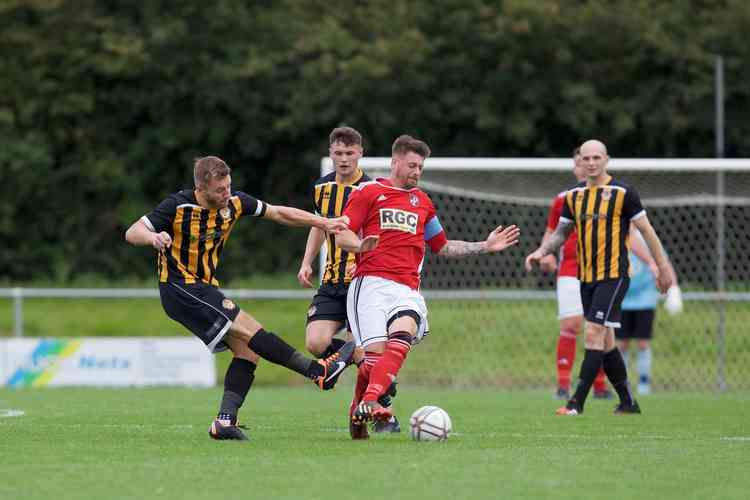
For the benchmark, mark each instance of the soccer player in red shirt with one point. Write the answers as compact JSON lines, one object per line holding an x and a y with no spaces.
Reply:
{"x":569,"y":307}
{"x":390,"y":220}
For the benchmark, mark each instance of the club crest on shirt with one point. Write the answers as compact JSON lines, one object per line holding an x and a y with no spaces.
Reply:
{"x":225,"y":212}
{"x":400,"y":220}
{"x":228,"y":304}
{"x":606,"y":194}
{"x":414,"y":200}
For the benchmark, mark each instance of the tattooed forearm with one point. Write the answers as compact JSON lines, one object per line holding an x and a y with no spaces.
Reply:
{"x":551,"y":244}
{"x":458,"y":248}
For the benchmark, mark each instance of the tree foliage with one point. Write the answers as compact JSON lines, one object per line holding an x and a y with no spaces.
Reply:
{"x":104,"y":103}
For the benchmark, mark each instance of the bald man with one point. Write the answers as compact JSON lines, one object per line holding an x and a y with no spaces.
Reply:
{"x":602,"y":209}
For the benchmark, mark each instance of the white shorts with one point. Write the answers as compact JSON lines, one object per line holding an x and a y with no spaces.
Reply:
{"x":371,"y":303}
{"x":568,"y":297}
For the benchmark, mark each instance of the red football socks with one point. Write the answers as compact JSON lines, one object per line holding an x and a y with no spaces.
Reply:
{"x":566,"y":356}
{"x":386,"y":369}
{"x":363,"y":378}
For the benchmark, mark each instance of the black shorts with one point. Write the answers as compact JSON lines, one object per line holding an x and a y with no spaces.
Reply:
{"x":329,"y":304}
{"x":637,"y":324}
{"x":602,"y":300}
{"x":202,"y":309}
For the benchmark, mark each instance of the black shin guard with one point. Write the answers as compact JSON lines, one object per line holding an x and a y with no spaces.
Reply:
{"x":617,"y":373}
{"x":592,"y":361}
{"x":271,"y":347}
{"x":237,"y":382}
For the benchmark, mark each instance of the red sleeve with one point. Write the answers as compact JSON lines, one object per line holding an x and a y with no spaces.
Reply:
{"x":554,"y":213}
{"x":438,"y":242}
{"x":356,"y":209}
{"x":433,"y":230}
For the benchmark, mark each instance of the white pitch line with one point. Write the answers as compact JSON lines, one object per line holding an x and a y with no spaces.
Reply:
{"x":9,"y":412}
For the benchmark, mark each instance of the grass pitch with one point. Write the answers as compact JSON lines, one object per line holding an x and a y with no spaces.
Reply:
{"x":153,"y":443}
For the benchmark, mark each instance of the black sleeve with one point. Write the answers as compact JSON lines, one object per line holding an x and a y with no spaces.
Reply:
{"x":161,"y":218}
{"x":251,"y":206}
{"x":313,"y":193}
{"x":566,"y":211}
{"x":632,"y":206}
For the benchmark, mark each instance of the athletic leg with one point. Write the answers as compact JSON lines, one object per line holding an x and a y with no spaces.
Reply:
{"x":237,"y":382}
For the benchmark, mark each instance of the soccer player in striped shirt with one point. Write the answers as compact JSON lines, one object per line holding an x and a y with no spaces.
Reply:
{"x":189,"y":230}
{"x":569,"y":307}
{"x":601,"y":210}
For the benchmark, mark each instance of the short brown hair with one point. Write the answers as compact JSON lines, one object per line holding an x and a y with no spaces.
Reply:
{"x":408,"y":144}
{"x":346,"y":136}
{"x":209,"y":167}
{"x":577,"y":151}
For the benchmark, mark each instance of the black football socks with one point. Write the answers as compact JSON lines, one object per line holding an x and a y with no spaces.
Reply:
{"x":237,"y":382}
{"x":271,"y":347}
{"x":592,"y":361}
{"x":617,"y":373}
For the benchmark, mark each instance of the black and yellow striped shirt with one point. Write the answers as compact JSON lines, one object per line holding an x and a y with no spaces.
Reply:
{"x":198,"y":234}
{"x":329,"y":200}
{"x":602,"y":217}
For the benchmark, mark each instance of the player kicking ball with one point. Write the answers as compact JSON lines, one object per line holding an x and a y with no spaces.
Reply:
{"x":189,"y":230}
{"x":386,"y":311}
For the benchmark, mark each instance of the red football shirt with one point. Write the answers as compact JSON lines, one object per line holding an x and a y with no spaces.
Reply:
{"x":567,"y":263}
{"x":404,"y":219}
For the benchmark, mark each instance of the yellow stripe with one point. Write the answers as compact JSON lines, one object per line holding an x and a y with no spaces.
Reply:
{"x":195,"y":231}
{"x":337,"y":209}
{"x":589,"y":232}
{"x":209,"y":244}
{"x":46,"y":376}
{"x":316,"y":196}
{"x":601,"y":237}
{"x":329,"y":248}
{"x":350,"y":260}
{"x":163,"y":267}
{"x":614,"y":261}
{"x":178,"y":240}
{"x":572,"y":201}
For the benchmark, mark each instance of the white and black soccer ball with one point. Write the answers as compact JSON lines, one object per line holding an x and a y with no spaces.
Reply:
{"x":430,"y":423}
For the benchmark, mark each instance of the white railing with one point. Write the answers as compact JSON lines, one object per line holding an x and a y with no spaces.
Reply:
{"x":18,"y":295}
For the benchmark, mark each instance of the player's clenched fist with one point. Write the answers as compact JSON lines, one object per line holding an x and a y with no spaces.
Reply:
{"x":336,"y":225}
{"x":160,"y":241}
{"x":304,"y":276}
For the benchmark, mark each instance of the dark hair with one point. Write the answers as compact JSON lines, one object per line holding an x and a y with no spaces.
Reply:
{"x":346,"y":136}
{"x":408,"y":144}
{"x":207,"y":168}
{"x":576,"y":151}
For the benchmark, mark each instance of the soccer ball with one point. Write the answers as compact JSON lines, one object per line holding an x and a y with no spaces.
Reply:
{"x":430,"y":423}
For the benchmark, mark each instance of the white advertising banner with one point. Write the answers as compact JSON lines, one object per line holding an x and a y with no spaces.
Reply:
{"x":92,"y":361}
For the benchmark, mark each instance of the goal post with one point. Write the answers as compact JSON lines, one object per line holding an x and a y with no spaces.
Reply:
{"x":704,"y":224}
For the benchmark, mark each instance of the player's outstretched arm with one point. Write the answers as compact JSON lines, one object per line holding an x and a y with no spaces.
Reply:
{"x":557,"y":238}
{"x":314,"y":241}
{"x":295,"y":217}
{"x":139,"y":234}
{"x":347,"y":240}
{"x":498,"y":240}
{"x":666,"y":275}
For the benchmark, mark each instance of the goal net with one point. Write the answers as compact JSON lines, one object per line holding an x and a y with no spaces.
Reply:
{"x":500,"y":323}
